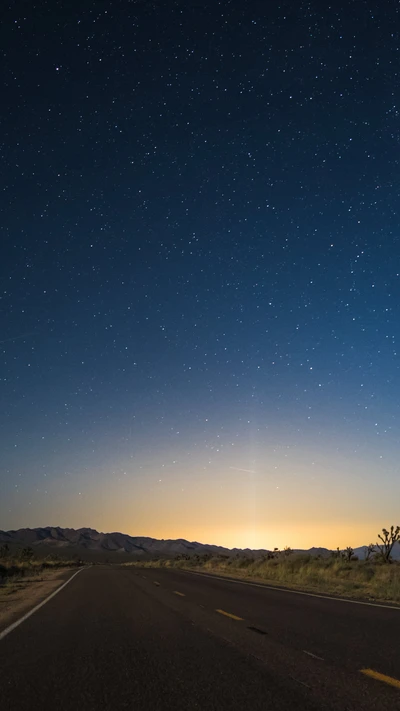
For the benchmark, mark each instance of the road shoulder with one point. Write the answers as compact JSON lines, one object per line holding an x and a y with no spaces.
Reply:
{"x":19,"y":597}
{"x":300,"y":590}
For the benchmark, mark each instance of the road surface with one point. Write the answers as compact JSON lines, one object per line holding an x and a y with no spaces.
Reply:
{"x":153,"y":639}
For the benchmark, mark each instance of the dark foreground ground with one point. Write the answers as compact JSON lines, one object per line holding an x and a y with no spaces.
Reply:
{"x":129,"y":638}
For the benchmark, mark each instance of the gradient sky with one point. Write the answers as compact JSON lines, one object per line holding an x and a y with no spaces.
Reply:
{"x":200,"y":269}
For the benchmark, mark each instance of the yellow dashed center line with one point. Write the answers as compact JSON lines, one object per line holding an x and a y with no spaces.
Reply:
{"x":381,"y":677}
{"x":179,"y":593}
{"x":155,"y":582}
{"x":229,"y":614}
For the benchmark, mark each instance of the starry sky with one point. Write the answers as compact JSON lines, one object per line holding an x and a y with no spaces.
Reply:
{"x":200,"y":269}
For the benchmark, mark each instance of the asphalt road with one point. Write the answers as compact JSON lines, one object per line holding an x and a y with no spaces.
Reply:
{"x":148,"y":639}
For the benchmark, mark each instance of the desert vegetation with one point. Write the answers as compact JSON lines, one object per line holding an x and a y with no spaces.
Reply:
{"x":22,"y":563}
{"x":374,"y":577}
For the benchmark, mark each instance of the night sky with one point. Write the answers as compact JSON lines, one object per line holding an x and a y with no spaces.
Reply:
{"x":200,"y":269}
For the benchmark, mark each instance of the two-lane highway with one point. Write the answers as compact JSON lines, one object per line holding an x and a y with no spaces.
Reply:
{"x":129,"y":638}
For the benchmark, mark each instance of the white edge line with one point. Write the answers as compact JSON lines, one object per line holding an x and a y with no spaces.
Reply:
{"x":288,"y":590}
{"x":15,"y":624}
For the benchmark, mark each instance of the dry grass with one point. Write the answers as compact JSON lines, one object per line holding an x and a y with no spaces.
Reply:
{"x":357,"y":579}
{"x":12,"y":569}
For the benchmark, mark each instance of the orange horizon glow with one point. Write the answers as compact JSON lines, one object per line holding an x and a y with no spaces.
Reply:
{"x":302,"y":538}
{"x":274,"y":499}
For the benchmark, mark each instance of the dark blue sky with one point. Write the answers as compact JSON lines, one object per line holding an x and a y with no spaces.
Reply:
{"x":200,"y":268}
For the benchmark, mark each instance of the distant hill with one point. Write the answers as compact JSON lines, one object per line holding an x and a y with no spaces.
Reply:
{"x":323,"y":552}
{"x":361,"y":551}
{"x":91,"y":544}
{"x":88,"y":540}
